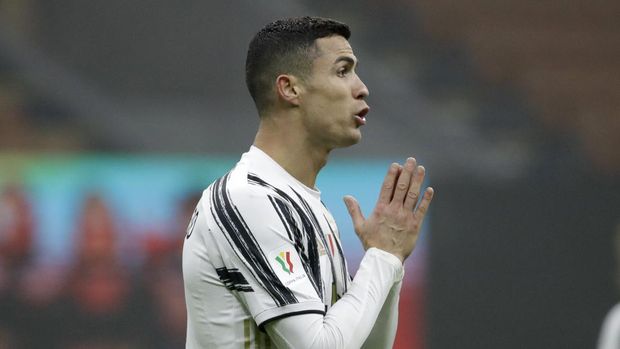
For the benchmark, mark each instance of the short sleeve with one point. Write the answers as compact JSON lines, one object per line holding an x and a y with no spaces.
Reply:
{"x":259,"y":257}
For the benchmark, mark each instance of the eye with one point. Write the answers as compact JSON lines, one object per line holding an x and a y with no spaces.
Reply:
{"x":341,"y":72}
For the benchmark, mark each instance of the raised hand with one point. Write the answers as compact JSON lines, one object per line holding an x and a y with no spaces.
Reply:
{"x":395,"y":222}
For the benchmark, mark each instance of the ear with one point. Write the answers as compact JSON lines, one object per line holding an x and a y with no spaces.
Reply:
{"x":288,"y":88}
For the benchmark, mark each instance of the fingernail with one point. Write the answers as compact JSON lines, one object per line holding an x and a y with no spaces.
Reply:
{"x":410,"y":163}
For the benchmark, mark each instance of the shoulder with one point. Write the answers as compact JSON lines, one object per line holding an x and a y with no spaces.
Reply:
{"x":242,"y":193}
{"x":250,"y":181}
{"x":239,"y":187}
{"x":247,"y":213}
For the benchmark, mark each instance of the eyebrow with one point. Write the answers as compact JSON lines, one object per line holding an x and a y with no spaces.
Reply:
{"x":346,"y":59}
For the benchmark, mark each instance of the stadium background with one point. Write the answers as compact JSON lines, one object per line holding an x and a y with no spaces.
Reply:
{"x":115,"y":114}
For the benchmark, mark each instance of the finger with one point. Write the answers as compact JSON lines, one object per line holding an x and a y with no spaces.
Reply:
{"x":402,"y":184}
{"x":354,"y":211}
{"x":387,"y":188}
{"x":414,"y":188}
{"x":422,"y":208}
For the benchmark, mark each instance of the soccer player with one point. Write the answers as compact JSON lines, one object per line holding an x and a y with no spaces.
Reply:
{"x":262,"y":262}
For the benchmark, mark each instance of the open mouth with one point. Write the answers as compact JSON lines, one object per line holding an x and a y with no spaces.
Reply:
{"x":360,"y":117}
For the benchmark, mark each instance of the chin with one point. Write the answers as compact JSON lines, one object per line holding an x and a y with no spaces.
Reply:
{"x":352,"y":140}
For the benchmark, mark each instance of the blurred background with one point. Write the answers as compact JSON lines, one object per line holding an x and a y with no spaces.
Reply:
{"x":114,"y":115}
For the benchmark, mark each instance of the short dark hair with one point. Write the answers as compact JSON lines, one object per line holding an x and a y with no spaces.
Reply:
{"x":285,"y":46}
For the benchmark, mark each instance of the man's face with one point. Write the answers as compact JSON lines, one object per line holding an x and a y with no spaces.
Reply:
{"x":332,"y":99}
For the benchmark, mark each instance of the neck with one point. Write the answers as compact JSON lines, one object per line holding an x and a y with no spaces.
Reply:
{"x":285,"y":142}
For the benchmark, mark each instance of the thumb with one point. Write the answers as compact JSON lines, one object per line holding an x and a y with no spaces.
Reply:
{"x":354,"y":210}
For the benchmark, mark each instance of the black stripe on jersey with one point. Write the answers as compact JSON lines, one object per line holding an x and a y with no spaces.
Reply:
{"x":233,"y":279}
{"x":236,"y":230}
{"x":314,"y":222}
{"x":288,"y":221}
{"x":261,"y":326}
{"x":305,"y":244}
{"x":285,"y":216}
{"x":342,"y":261}
{"x":192,"y":224}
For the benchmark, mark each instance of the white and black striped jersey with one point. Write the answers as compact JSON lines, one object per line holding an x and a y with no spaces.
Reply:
{"x":260,"y":246}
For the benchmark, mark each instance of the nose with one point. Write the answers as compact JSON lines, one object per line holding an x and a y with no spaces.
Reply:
{"x":360,"y":91}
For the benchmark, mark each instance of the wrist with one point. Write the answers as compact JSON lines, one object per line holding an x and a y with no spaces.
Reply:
{"x":390,"y":258}
{"x":400,"y":257}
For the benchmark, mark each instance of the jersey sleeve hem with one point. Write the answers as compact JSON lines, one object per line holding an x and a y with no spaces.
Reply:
{"x":390,"y":259}
{"x":289,"y":310}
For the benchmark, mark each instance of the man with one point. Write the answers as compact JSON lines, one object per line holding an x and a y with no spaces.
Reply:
{"x":262,"y":261}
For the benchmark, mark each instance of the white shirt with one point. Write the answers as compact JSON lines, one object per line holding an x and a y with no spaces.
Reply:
{"x":610,"y":332}
{"x":261,"y":248}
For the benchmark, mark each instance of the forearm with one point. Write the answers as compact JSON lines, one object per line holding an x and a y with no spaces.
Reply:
{"x":350,"y":320}
{"x":384,"y":331}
